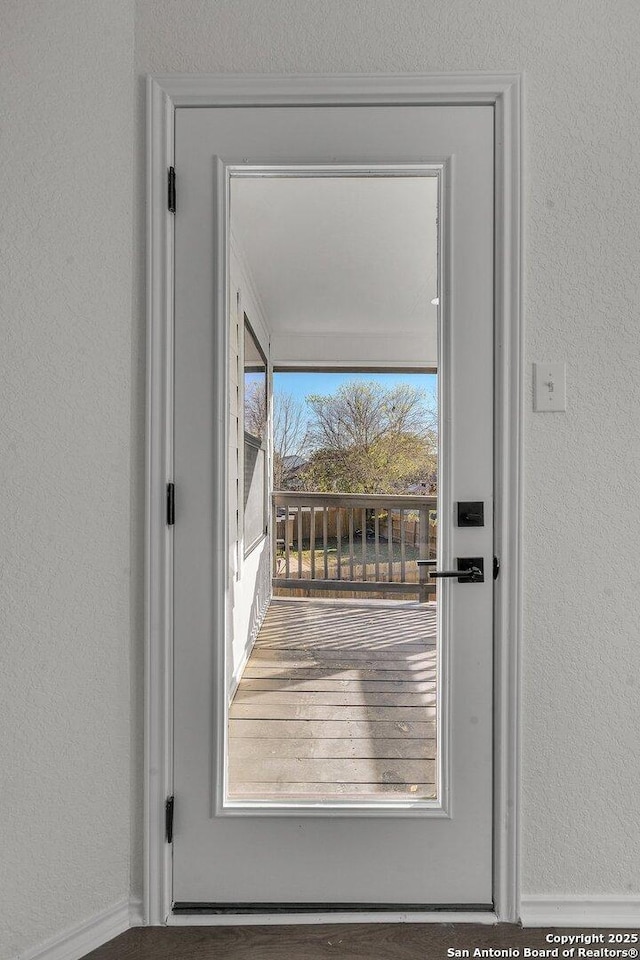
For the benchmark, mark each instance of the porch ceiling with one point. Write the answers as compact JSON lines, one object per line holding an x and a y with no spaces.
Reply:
{"x":351,"y":259}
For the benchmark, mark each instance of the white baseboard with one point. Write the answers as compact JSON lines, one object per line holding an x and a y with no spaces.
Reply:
{"x":77,"y":941}
{"x":136,"y":915}
{"x":586,"y":911}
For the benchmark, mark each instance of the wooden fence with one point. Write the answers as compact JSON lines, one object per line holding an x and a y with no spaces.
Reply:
{"x":353,"y":543}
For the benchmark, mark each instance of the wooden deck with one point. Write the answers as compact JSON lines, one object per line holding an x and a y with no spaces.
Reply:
{"x":337,"y":701}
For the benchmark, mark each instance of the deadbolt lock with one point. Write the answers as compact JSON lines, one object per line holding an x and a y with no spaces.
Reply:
{"x":470,"y":513}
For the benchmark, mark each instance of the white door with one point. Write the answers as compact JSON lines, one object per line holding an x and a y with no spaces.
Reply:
{"x":378,"y":853}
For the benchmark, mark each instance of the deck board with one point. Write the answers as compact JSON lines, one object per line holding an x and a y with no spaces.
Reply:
{"x":337,"y":700}
{"x":263,"y":790}
{"x":327,"y":729}
{"x":322,"y":683}
{"x":305,"y":711}
{"x":412,"y":657}
{"x":334,"y":748}
{"x":323,"y":770}
{"x":312,"y":673}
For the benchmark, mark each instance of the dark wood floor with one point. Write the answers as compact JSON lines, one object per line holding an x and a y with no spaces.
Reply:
{"x":337,"y":700}
{"x":384,"y":941}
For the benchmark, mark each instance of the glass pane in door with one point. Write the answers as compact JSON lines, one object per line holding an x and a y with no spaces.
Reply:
{"x":334,"y":663}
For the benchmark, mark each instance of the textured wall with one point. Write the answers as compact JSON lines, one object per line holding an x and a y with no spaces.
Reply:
{"x":72,"y":437}
{"x":65,"y":374}
{"x":581,"y":651}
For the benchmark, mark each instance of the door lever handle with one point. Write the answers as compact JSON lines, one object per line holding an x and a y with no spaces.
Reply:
{"x":470,"y":570}
{"x":473,"y":574}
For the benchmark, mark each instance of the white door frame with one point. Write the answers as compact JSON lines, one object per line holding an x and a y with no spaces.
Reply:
{"x":164,"y":95}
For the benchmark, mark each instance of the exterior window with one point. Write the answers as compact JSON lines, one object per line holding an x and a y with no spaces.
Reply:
{"x":255,"y":440}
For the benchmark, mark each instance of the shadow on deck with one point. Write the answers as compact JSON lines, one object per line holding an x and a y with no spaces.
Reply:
{"x":337,"y":700}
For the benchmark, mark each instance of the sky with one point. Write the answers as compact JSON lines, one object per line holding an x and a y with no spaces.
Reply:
{"x":302,"y":384}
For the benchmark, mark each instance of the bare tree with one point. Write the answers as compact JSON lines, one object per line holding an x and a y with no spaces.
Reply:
{"x":255,"y":409}
{"x":370,"y":439}
{"x":364,"y":438}
{"x":289,"y":427}
{"x":289,"y":435}
{"x":359,"y":413}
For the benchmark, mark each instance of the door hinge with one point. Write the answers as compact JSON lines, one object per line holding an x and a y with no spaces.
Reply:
{"x":496,"y":568}
{"x":171,"y":189}
{"x":168,"y":819}
{"x":171,"y":504}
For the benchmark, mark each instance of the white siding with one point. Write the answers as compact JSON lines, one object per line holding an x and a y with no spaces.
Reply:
{"x":249,"y":577}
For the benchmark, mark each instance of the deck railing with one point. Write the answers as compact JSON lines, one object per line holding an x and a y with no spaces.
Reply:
{"x":352,"y":542}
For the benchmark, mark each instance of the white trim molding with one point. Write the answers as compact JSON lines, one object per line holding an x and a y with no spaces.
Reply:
{"x":166,"y":93}
{"x":136,"y":915}
{"x":81,"y":939}
{"x":582,"y":911}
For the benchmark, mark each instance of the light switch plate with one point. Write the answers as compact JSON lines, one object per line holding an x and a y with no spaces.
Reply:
{"x":549,"y":387}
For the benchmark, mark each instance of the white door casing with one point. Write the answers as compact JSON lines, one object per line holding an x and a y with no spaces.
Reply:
{"x":160,"y":455}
